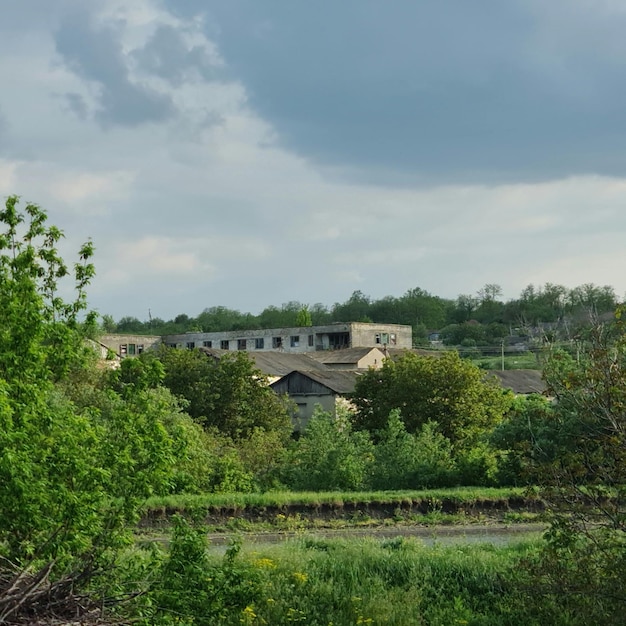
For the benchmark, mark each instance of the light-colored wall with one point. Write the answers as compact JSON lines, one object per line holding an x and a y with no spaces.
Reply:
{"x":362,"y":335}
{"x":365,"y":335}
{"x":114,"y":342}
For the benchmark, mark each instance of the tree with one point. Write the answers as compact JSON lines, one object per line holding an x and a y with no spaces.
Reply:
{"x":229,"y":394}
{"x":585,"y":484}
{"x":71,"y":476}
{"x":304,"y":317}
{"x":446,"y":390}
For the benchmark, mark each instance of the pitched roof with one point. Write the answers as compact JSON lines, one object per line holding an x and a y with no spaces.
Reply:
{"x":520,"y":381}
{"x":344,"y":356}
{"x":281,"y":363}
{"x":338,"y":381}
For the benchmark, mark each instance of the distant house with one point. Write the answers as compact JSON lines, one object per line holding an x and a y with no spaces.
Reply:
{"x":350,"y":358}
{"x":310,"y":388}
{"x":300,"y":339}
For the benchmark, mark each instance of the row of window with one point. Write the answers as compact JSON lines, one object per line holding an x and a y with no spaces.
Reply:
{"x":259,"y":343}
{"x":130,"y":349}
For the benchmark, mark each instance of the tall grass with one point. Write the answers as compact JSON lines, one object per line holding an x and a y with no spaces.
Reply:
{"x":397,"y":582}
{"x":278,"y":499}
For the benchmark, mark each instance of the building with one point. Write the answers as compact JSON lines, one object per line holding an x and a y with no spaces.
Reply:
{"x":128,"y":345}
{"x":300,"y":339}
{"x":350,"y":358}
{"x":310,"y":389}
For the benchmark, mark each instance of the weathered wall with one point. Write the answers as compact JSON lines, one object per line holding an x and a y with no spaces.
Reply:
{"x":361,"y":335}
{"x":135,"y":344}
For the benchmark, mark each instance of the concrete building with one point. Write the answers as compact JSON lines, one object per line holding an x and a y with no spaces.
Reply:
{"x":350,"y":358}
{"x":128,"y":345}
{"x":300,"y":339}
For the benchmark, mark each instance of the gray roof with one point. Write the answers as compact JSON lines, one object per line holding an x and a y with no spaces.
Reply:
{"x":520,"y":381}
{"x":338,"y":381}
{"x":281,"y":363}
{"x":272,"y":363}
{"x":344,"y":356}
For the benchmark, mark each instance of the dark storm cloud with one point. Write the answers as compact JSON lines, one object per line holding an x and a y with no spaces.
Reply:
{"x":95,"y":54}
{"x":167,"y":55}
{"x":433,"y":90}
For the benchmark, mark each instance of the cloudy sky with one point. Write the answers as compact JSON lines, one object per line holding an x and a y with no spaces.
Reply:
{"x":247,"y":153}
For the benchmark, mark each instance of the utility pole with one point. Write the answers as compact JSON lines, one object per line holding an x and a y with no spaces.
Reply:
{"x":502,"y":346}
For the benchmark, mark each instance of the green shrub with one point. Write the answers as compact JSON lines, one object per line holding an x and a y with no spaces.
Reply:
{"x":409,"y":461}
{"x":328,"y":456}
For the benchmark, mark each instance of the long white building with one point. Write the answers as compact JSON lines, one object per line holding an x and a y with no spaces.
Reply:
{"x":300,"y":339}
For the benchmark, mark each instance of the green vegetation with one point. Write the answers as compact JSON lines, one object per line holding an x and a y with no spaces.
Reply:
{"x":446,"y":391}
{"x":83,"y":446}
{"x":322,"y":581}
{"x":476,"y":324}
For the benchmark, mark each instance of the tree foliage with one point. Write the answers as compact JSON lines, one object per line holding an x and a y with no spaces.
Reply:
{"x":448,"y":391}
{"x":229,"y":393}
{"x":585,"y":483}
{"x":71,"y":474}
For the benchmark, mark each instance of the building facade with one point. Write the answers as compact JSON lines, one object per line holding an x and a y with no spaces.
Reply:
{"x":128,"y":345}
{"x":300,"y":339}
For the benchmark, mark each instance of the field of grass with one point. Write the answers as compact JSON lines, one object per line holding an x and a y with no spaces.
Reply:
{"x":284,"y":510}
{"x":323,"y":582}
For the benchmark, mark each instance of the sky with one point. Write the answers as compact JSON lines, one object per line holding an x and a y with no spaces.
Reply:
{"x":245,"y":154}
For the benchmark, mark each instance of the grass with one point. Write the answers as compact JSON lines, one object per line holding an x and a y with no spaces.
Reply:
{"x":397,"y":582}
{"x":287,"y":499}
{"x":293,"y":511}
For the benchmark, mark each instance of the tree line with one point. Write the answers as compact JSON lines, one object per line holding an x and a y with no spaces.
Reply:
{"x":471,"y":320}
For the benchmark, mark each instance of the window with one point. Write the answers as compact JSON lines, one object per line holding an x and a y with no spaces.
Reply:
{"x":259,"y":343}
{"x":377,"y":337}
{"x":393,"y":339}
{"x":139,"y":348}
{"x":277,"y":342}
{"x":191,"y":345}
{"x":132,"y":349}
{"x":224,"y":344}
{"x":207,"y":344}
{"x":311,"y":341}
{"x":241,"y":344}
{"x":295,"y":341}
{"x":385,"y":338}
{"x":123,"y":349}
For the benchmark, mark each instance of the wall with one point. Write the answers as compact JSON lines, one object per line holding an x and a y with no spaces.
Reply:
{"x":361,"y":335}
{"x":114,"y":342}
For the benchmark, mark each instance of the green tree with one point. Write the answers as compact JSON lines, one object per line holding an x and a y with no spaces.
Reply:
{"x":446,"y":390}
{"x":229,"y":393}
{"x":304,"y":317}
{"x":404,"y":460}
{"x":583,"y":563}
{"x":329,"y":455}
{"x":71,"y":477}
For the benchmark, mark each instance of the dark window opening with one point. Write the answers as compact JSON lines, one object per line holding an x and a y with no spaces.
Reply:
{"x":224,"y":344}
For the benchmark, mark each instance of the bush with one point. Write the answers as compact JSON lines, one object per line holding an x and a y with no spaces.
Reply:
{"x":410,"y":461}
{"x":329,"y":455}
